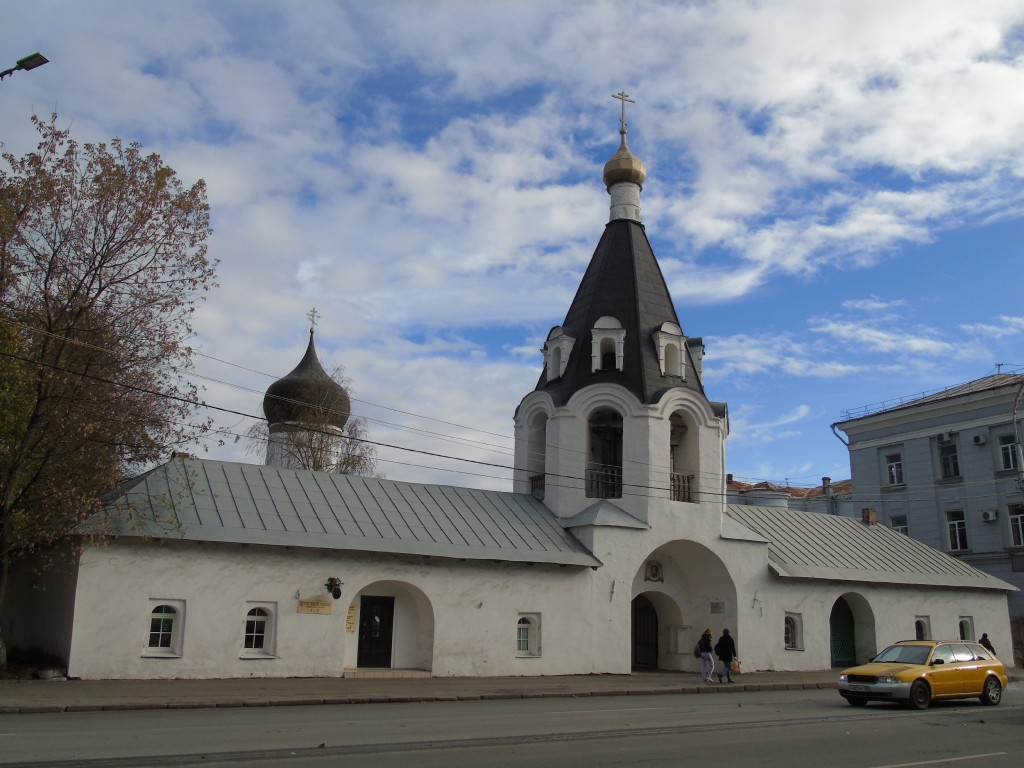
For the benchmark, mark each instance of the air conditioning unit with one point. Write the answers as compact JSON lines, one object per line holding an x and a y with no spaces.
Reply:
{"x":980,"y":440}
{"x":990,"y":515}
{"x":944,"y":437}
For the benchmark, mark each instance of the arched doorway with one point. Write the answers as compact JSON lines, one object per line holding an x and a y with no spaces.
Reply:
{"x":645,"y":633}
{"x":392,"y":627}
{"x":841,"y":629}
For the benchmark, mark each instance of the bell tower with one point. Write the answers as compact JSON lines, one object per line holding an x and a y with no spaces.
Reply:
{"x":619,"y":411}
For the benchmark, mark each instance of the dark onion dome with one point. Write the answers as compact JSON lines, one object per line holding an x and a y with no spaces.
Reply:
{"x":307,"y":395}
{"x":624,"y":166}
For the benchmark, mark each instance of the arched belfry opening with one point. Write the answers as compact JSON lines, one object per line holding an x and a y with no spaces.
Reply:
{"x":536,"y":455}
{"x":604,"y":455}
{"x":684,"y":458}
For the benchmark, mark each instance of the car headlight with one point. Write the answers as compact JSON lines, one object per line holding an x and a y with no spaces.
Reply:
{"x":889,"y":680}
{"x":842,"y":678}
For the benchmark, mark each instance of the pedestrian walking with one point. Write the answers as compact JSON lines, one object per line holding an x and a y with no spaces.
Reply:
{"x":986,"y":643}
{"x":725,"y":649}
{"x":707,"y":661}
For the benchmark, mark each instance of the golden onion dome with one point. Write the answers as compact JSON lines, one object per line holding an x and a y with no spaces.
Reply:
{"x":624,"y":166}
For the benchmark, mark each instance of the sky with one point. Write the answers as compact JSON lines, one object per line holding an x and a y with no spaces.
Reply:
{"x":835,"y":195}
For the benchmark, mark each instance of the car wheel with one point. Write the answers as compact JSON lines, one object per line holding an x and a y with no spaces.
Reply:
{"x":857,"y":702}
{"x":992,"y":693}
{"x":920,"y":695}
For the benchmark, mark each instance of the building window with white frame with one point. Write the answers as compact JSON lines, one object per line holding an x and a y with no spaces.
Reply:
{"x":793,"y":632}
{"x":899,"y":524}
{"x":894,"y":468}
{"x":966,"y":627}
{"x":1016,"y":516}
{"x":957,"y":526}
{"x":922,"y":628}
{"x":528,"y":635}
{"x":258,"y":635}
{"x":1008,"y":451}
{"x":949,"y":461}
{"x":165,"y":625}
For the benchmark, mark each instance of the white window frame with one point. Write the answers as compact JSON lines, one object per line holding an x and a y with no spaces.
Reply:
{"x":269,"y":634}
{"x":949,"y":461}
{"x":899,"y":524}
{"x":528,"y":635}
{"x":1008,"y":451}
{"x":793,"y":631}
{"x":894,"y":468}
{"x":1015,"y":513}
{"x":175,"y":636}
{"x":956,"y":524}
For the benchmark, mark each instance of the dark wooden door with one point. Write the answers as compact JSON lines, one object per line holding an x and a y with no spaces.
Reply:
{"x":376,"y":621}
{"x":645,"y":633}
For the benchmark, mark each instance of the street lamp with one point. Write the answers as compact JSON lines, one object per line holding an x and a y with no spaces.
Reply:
{"x":31,"y":61}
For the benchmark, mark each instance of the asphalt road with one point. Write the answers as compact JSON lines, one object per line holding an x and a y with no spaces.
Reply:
{"x":811,"y":728}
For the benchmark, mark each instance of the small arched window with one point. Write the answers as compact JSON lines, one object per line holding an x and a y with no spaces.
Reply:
{"x":966,"y":628}
{"x":607,"y":345}
{"x":165,"y":625}
{"x":161,"y":626}
{"x":528,"y":635}
{"x":258,"y":635}
{"x":793,"y":632}
{"x":922,"y":631}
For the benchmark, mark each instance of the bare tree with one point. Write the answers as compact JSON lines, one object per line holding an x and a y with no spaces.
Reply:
{"x":103,"y":256}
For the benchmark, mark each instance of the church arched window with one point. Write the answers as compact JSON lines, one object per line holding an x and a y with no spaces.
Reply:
{"x":607,"y":345}
{"x":669,"y":341}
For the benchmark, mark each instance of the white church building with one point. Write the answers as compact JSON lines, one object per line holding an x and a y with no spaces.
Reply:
{"x":613,"y":551}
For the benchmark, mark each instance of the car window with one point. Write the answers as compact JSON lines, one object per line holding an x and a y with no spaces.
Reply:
{"x":979,"y":652}
{"x":905,"y":654}
{"x":943,"y":653}
{"x":962,"y":653}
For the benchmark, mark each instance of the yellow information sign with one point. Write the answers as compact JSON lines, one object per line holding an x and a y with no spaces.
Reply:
{"x":320,"y":607}
{"x":350,"y":620}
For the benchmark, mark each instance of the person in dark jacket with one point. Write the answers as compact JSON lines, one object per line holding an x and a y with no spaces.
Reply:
{"x":725,"y":649}
{"x":986,"y":643}
{"x":707,"y":661}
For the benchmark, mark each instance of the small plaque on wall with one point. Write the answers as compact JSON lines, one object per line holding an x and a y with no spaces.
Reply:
{"x":319,"y":607}
{"x":350,"y":619}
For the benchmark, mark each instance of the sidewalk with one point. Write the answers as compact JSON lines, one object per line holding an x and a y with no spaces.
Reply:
{"x":42,"y":696}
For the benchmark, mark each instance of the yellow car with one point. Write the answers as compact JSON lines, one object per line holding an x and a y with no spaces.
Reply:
{"x":916,"y":672}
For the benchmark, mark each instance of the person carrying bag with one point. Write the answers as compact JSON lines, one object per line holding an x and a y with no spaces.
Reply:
{"x":725,"y":649}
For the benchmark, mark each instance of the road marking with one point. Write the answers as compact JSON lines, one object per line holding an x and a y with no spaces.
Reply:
{"x":940,"y":762}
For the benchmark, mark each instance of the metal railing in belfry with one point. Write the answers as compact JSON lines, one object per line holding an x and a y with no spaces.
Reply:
{"x":682,"y":487}
{"x":604,"y":483}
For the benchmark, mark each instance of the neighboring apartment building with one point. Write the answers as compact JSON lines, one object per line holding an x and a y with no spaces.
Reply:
{"x":945,"y":468}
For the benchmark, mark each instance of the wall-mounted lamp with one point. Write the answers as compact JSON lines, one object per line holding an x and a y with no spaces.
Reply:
{"x":334,"y":586}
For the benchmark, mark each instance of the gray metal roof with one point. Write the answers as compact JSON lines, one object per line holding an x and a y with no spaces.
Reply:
{"x":814,"y":546}
{"x":216,"y":501}
{"x":984,"y":384}
{"x":603,"y":514}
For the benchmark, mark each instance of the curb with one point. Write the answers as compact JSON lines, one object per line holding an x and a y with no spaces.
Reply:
{"x":342,"y":700}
